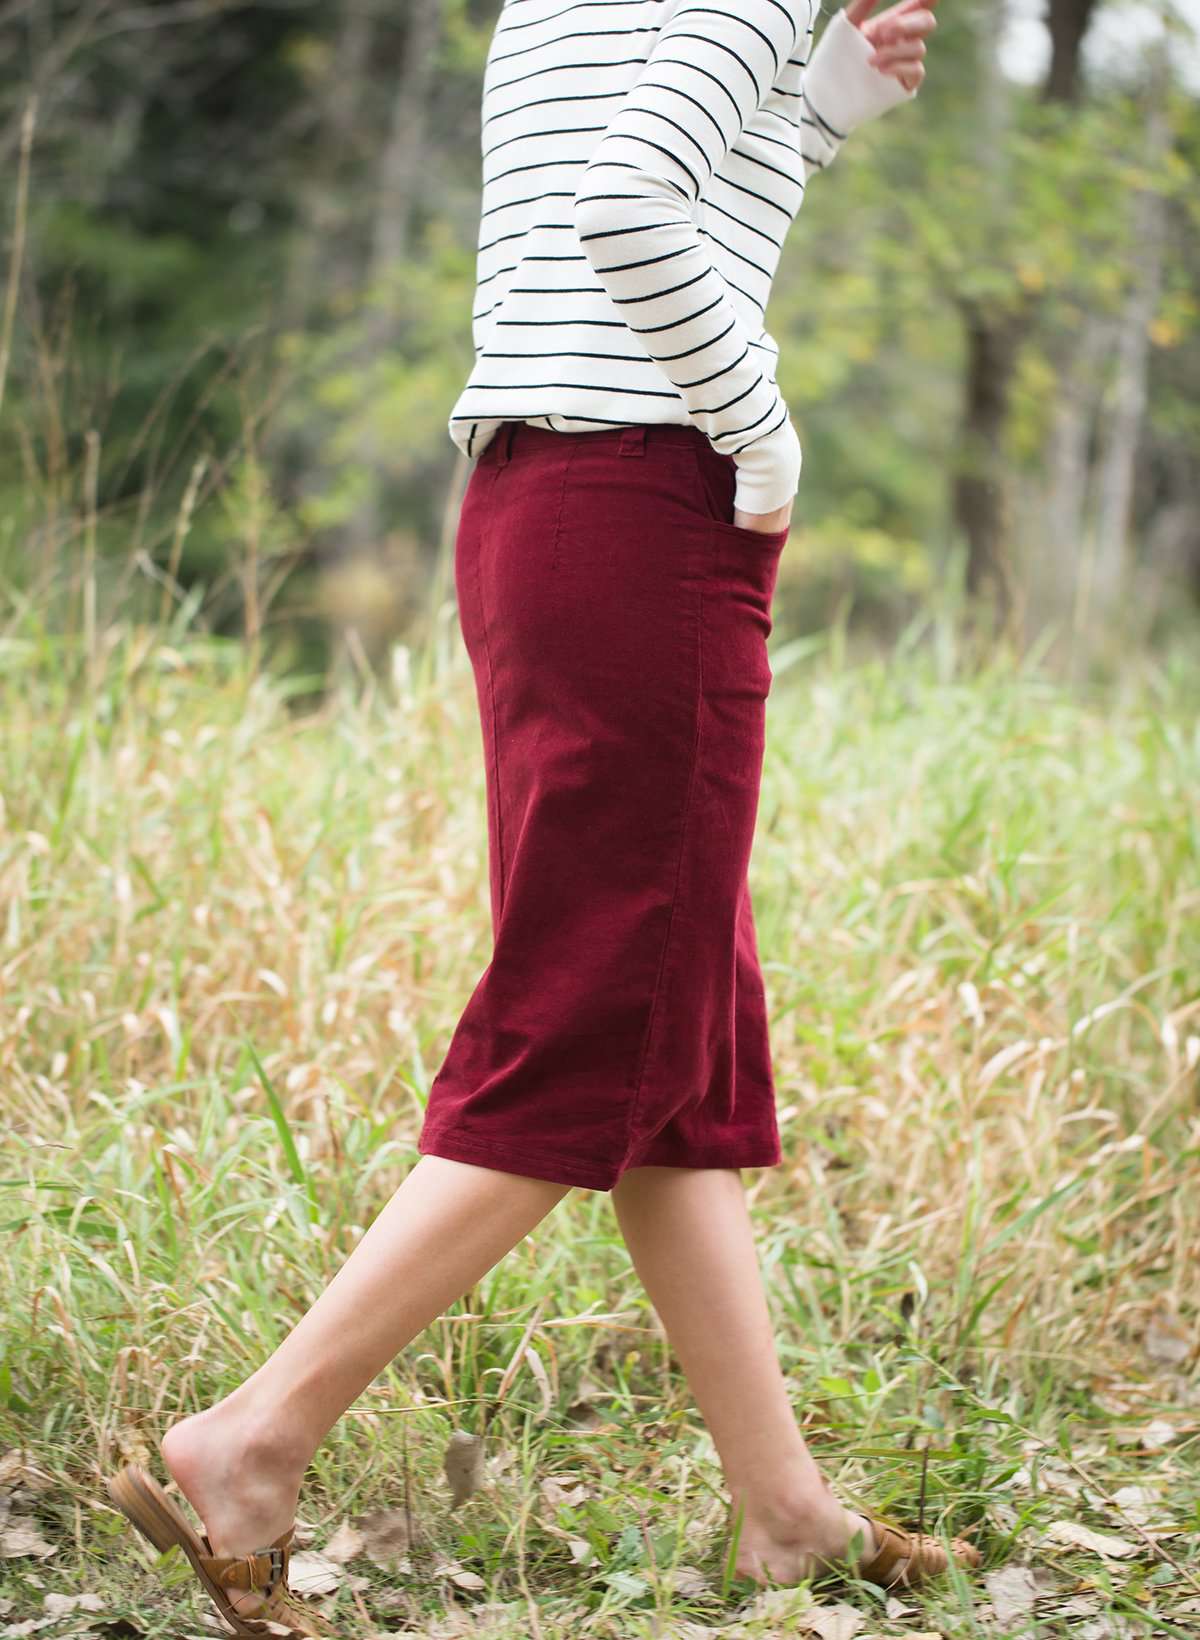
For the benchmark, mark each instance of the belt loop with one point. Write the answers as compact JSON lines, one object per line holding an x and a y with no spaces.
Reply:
{"x":633,"y":442}
{"x":504,"y":438}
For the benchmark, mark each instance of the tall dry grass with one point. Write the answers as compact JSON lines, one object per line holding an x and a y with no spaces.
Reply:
{"x":234,"y":940}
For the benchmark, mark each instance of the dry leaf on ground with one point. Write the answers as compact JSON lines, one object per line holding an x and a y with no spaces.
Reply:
{"x":19,"y":1474}
{"x":385,"y":1536}
{"x":1012,"y":1590}
{"x":1141,"y":1504}
{"x":1072,"y":1535}
{"x":345,"y":1544}
{"x":20,"y":1536}
{"x":1151,"y":1437}
{"x":311,"y":1573}
{"x":836,"y":1622}
{"x":690,"y":1584}
{"x":60,"y":1605}
{"x":555,"y":1493}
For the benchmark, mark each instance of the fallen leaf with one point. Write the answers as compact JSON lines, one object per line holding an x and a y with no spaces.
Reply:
{"x":836,"y":1622}
{"x":19,"y":1536}
{"x":467,"y":1580}
{"x":1012,"y":1590}
{"x":462,"y":1464}
{"x":345,"y":1544}
{"x":310,"y":1573}
{"x":1136,"y":1503}
{"x":385,"y":1535}
{"x":555,"y":1493}
{"x":17,"y":1471}
{"x":1157,"y":1434}
{"x":59,"y":1605}
{"x":780,"y":1603}
{"x":1073,"y":1535}
{"x":581,"y":1551}
{"x":690,"y":1584}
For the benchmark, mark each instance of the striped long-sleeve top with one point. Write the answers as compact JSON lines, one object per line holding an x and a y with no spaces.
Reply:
{"x":642,"y":163}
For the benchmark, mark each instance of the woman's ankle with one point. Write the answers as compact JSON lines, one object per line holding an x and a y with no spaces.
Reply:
{"x":240,"y":1470}
{"x":793,"y":1513}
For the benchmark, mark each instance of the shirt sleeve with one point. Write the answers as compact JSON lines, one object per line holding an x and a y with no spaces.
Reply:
{"x":713,"y":63}
{"x":842,"y":89}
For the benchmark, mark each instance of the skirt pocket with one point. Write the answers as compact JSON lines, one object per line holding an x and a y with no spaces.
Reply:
{"x":717,"y":478}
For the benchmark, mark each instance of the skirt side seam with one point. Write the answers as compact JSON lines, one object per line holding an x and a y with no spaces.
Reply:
{"x":495,"y":747}
{"x":640,"y":1074}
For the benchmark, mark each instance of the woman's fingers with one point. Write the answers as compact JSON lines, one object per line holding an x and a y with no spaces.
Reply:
{"x":892,"y":30}
{"x":894,"y":56}
{"x":859,"y":11}
{"x":896,"y":35}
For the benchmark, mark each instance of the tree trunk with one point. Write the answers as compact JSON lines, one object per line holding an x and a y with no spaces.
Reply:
{"x":401,"y":169}
{"x":1068,"y":22}
{"x":1057,"y":524}
{"x":319,"y":265}
{"x":994,"y":331}
{"x":1124,"y":421}
{"x":403,"y":162}
{"x":981,"y":503}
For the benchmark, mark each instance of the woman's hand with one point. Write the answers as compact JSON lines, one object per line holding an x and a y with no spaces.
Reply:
{"x":898,"y":36}
{"x":766,"y":522}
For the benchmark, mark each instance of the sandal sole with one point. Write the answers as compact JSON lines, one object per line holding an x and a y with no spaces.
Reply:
{"x":143,"y":1502}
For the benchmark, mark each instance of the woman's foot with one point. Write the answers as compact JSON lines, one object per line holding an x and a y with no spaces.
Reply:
{"x":241,"y":1480}
{"x":783,"y":1546}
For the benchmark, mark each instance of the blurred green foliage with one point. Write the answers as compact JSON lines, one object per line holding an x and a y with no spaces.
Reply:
{"x":200,"y":289}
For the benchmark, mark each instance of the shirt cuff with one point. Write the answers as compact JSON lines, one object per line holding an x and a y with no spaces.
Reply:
{"x":841,"y":86}
{"x":768,"y":473}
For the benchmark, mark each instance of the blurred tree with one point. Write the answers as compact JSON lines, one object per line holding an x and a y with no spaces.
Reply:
{"x":245,"y":292}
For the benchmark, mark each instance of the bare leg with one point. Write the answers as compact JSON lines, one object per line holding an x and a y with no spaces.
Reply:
{"x":240,"y":1463}
{"x":689,"y":1234}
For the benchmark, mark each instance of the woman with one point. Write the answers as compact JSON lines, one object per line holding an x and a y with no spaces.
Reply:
{"x":615,"y":562}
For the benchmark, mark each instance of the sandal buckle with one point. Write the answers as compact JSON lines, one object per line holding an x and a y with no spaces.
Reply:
{"x":274,"y":1559}
{"x":275,"y":1556}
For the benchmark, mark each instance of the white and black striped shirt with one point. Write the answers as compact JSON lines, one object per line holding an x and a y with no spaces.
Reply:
{"x":642,"y":163}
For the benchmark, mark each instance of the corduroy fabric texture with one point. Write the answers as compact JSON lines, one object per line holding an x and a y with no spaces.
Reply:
{"x":616,"y":621}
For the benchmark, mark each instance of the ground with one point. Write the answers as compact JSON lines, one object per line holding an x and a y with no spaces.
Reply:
{"x":234,"y":939}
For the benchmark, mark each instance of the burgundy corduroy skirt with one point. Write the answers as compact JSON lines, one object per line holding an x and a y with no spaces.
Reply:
{"x":617,"y":622}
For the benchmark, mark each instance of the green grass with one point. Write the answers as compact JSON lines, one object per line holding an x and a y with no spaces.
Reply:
{"x":234,"y":941}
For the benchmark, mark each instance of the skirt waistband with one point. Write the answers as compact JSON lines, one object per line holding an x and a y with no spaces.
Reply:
{"x":512,"y":436}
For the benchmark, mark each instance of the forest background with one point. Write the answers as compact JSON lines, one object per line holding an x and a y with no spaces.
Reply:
{"x":241,"y":277}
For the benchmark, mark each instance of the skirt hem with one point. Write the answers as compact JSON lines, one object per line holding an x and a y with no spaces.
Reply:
{"x":555,"y":1167}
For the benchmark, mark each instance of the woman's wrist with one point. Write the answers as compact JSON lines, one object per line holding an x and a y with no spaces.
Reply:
{"x":768,"y":472}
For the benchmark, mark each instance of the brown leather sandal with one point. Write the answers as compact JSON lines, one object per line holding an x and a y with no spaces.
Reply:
{"x":142,"y":1500}
{"x":904,"y":1560}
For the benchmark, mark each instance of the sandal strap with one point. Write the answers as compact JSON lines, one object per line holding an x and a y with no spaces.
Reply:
{"x":925,"y":1555}
{"x":260,"y":1572}
{"x":894,"y":1546}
